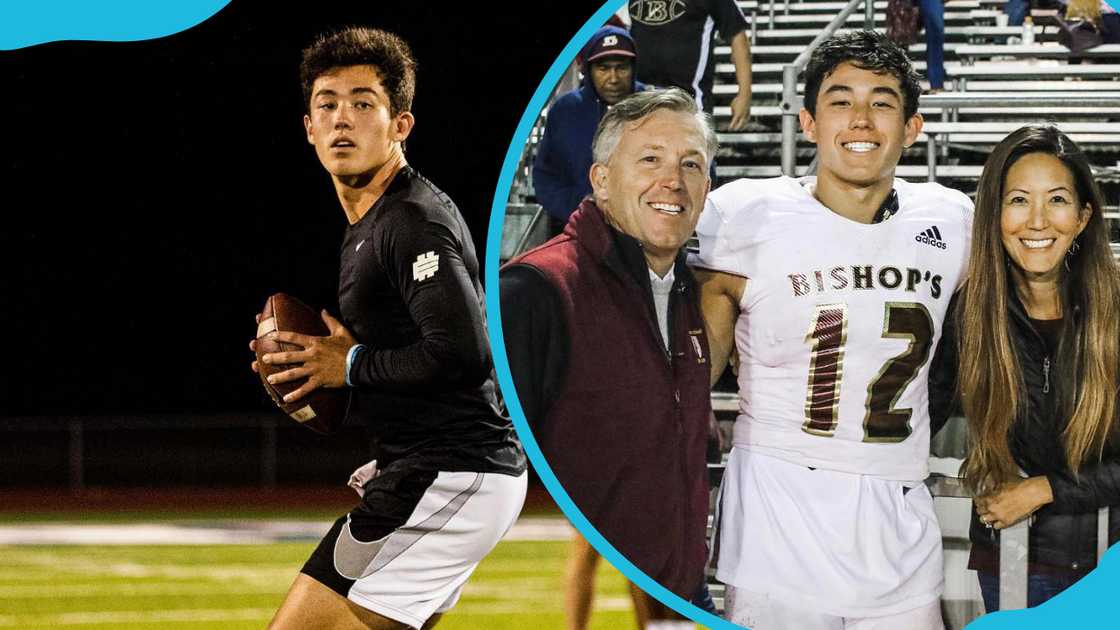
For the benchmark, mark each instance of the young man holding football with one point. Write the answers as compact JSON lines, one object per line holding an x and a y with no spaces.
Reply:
{"x":449,"y":476}
{"x":834,"y":301}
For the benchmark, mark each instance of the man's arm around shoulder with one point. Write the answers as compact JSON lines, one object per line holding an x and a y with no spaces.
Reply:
{"x":720,"y":296}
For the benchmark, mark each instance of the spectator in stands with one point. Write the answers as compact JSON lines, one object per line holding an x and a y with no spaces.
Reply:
{"x":607,"y":346}
{"x":1103,"y":17}
{"x":1083,"y":10}
{"x":1017,"y":11}
{"x":1039,"y":384}
{"x":1110,"y":24}
{"x":933,"y":19}
{"x":676,"y":40}
{"x":564,"y":155}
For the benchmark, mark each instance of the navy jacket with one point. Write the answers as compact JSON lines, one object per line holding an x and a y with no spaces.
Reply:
{"x":561,"y":169}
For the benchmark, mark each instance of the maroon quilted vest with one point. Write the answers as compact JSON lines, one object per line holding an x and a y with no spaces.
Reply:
{"x":627,"y":434}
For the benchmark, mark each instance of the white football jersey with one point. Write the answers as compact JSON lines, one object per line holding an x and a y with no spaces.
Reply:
{"x":839,"y":320}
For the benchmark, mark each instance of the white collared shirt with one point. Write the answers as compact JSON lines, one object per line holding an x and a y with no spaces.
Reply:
{"x":661,"y":289}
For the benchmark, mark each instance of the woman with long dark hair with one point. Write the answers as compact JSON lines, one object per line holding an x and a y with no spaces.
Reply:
{"x":1038,"y":331}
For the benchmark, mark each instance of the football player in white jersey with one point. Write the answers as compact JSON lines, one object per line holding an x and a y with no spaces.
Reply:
{"x":833,"y":290}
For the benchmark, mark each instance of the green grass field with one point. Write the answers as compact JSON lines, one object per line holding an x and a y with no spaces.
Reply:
{"x":239,"y":586}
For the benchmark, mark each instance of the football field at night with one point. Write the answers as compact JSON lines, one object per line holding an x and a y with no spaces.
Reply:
{"x":98,"y":582}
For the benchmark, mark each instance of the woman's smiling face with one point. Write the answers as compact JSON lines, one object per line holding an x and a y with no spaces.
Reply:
{"x":1041,"y":214}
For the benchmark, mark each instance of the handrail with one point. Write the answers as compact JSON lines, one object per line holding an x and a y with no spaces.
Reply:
{"x":954,"y":100}
{"x":568,"y":81}
{"x":523,"y":242}
{"x":790,"y":102}
{"x":1013,"y":545}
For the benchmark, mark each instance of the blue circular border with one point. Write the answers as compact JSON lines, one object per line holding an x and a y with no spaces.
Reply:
{"x":497,"y":342}
{"x":1084,"y":603}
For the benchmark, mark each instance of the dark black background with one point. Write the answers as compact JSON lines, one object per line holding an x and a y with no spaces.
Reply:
{"x":156,"y":192}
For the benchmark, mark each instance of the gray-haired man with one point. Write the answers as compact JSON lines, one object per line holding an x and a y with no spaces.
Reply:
{"x":607,"y":347}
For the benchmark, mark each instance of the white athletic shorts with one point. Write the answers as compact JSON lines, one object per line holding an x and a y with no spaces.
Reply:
{"x":759,"y":611}
{"x":828,"y":542}
{"x":407,"y":550}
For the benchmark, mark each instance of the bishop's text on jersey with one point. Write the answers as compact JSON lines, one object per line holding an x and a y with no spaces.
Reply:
{"x":864,"y":277}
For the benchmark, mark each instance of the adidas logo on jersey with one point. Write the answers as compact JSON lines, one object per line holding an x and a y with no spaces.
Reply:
{"x":932,"y":237}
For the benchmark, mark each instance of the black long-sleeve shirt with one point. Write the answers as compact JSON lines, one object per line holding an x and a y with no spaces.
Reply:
{"x":409,"y":291}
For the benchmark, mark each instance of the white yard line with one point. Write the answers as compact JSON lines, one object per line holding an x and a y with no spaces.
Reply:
{"x":66,"y":564}
{"x":136,"y":616}
{"x":79,"y":591}
{"x":224,"y":533}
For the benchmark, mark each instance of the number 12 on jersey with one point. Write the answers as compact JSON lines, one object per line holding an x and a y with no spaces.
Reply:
{"x":828,"y":338}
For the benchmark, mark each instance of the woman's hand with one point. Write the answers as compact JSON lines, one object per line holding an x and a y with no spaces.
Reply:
{"x":1013,"y":502}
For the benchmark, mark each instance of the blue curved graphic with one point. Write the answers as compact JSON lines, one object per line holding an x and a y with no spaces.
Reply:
{"x":1085,"y":605}
{"x":494,"y":315}
{"x":1115,"y":4}
{"x":29,"y":23}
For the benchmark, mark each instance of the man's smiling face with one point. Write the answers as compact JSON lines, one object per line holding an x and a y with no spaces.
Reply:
{"x":654,"y":184}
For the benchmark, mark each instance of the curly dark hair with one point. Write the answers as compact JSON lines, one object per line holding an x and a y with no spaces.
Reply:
{"x":867,"y":50}
{"x":359,"y":46}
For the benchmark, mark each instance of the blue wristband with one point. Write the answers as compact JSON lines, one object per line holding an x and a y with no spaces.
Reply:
{"x":350,"y":356}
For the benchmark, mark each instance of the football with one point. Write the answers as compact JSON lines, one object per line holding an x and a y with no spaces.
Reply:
{"x":324,"y":409}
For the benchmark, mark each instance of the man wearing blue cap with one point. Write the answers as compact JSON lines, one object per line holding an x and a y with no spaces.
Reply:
{"x":564,"y":156}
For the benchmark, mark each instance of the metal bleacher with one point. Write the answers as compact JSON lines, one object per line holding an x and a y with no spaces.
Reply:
{"x":995,"y":84}
{"x":1082,"y":98}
